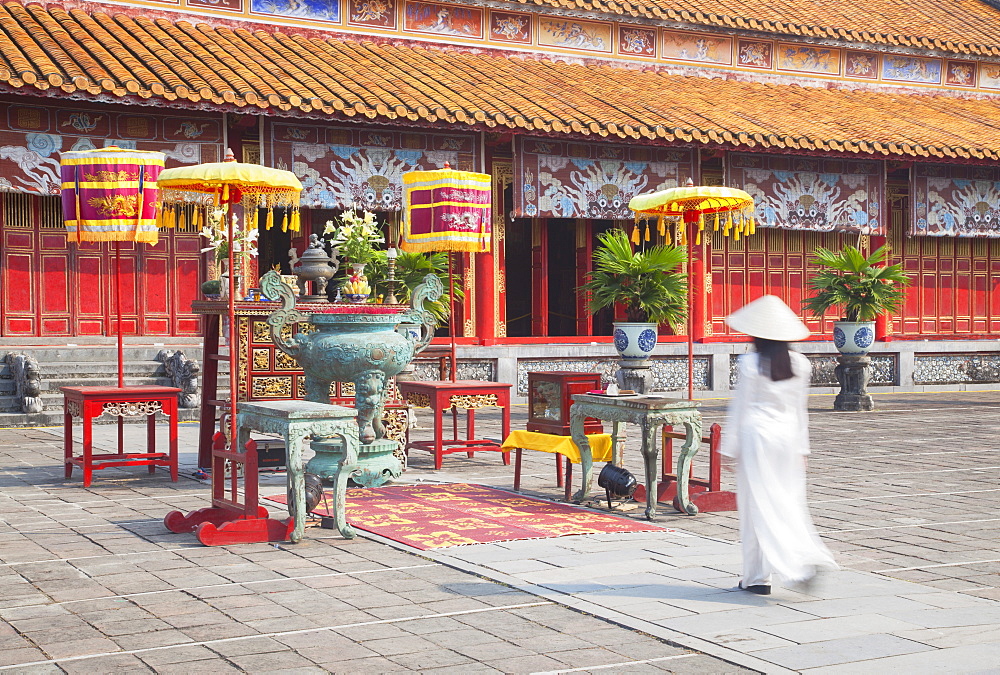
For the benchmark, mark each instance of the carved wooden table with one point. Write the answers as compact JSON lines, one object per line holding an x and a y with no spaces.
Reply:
{"x":650,"y":413}
{"x":89,"y":403}
{"x":467,"y":394}
{"x":295,"y":421}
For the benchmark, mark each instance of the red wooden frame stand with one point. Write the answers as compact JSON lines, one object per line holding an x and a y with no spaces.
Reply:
{"x":89,"y":403}
{"x":707,"y":495}
{"x":228,"y":521}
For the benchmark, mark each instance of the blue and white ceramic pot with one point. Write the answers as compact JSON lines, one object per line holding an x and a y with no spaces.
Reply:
{"x":635,"y":341}
{"x":854,"y":338}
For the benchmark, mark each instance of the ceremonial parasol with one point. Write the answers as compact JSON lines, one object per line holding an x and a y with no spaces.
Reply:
{"x":447,"y":210}
{"x":729,"y":208}
{"x":110,"y":195}
{"x":226,"y":184}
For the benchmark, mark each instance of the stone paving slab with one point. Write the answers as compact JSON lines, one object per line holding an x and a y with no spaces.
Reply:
{"x":909,"y":507}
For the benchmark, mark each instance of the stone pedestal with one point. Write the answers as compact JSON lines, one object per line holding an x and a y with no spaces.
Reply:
{"x":635,"y":376}
{"x":853,"y":373}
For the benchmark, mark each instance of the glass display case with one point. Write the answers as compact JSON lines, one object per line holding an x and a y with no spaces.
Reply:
{"x":550,"y":396}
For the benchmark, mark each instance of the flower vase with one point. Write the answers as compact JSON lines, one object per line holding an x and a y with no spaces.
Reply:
{"x":356,"y":288}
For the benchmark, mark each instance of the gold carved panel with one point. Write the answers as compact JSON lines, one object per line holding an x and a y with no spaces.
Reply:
{"x":262,"y":359}
{"x":271,"y":387}
{"x":283,"y":361}
{"x":473,"y":401}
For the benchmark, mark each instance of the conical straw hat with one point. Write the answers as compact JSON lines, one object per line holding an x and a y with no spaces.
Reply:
{"x":769,"y":318}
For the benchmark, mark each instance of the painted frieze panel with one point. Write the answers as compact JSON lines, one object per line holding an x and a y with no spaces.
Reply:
{"x":808,"y":59}
{"x":32,"y":137}
{"x":754,"y":54}
{"x":911,"y":69}
{"x":956,"y":201}
{"x":861,"y":64}
{"x":636,"y":41}
{"x":960,"y":73}
{"x":429,"y":17}
{"x":559,"y":179}
{"x":591,"y":36}
{"x":363,"y":168}
{"x":810,"y":193}
{"x":695,"y":47}
{"x":989,"y":75}
{"x":510,"y":27}
{"x":373,"y":13}
{"x":229,"y":5}
{"x":312,"y":10}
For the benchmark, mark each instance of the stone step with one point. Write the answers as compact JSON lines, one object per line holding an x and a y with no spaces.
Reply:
{"x":54,"y":417}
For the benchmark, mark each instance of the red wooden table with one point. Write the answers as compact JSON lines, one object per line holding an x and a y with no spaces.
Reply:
{"x":121,"y":402}
{"x":467,"y":394}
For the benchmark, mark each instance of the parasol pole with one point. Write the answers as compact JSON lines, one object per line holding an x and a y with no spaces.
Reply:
{"x":451,"y":318}
{"x":690,"y":313}
{"x":233,"y":339}
{"x":118,"y":309}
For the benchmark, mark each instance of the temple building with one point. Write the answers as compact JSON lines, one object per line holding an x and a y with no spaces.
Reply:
{"x":870,"y":123}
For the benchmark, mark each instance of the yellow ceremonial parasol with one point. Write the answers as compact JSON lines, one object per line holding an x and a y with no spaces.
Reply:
{"x":227,"y":184}
{"x":690,"y":206}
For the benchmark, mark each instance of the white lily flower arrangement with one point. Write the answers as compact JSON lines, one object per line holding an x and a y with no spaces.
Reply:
{"x":355,"y":236}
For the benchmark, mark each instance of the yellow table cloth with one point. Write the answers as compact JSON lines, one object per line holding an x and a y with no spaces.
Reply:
{"x":600,"y":445}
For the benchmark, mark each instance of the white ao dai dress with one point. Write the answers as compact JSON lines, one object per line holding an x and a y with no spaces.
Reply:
{"x":767,"y":433}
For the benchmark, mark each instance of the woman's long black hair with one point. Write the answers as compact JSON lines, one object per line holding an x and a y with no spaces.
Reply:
{"x":775,"y":361}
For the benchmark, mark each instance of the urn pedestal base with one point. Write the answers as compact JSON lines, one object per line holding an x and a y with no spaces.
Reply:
{"x":376,"y":461}
{"x":853,"y":373}
{"x":635,"y":376}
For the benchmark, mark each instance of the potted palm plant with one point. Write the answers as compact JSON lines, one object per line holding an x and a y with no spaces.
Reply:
{"x":646,"y":282}
{"x":863,"y":288}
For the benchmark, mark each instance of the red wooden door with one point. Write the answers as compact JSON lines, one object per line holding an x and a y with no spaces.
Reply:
{"x":50,"y":287}
{"x":770,"y":261}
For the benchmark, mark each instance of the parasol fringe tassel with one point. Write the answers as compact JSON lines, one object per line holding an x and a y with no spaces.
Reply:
{"x":647,"y":230}
{"x":270,"y":218}
{"x":661,"y":226}
{"x":296,"y":222}
{"x":635,"y":235}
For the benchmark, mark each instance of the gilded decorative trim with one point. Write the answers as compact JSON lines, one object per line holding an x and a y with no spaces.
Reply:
{"x":473,"y":401}
{"x":242,"y":343}
{"x":131,"y":408}
{"x":418,"y":400}
{"x":73,"y":408}
{"x":503,"y":176}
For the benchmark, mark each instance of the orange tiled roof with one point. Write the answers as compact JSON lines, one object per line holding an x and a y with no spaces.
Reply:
{"x":159,"y":61}
{"x":958,"y":26}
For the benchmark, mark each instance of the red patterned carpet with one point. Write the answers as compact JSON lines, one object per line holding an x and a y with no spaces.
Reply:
{"x":437,"y":516}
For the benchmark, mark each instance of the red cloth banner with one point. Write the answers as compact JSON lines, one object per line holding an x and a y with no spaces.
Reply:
{"x":447,"y":210}
{"x":955,"y":201}
{"x":811,"y":193}
{"x":110,"y":194}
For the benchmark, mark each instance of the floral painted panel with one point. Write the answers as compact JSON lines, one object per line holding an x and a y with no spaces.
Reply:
{"x":809,"y":193}
{"x":693,"y":47}
{"x":233,"y":5}
{"x":591,"y":36}
{"x":911,"y":69}
{"x":960,"y":73}
{"x":808,"y":59}
{"x":510,"y":27}
{"x":861,"y":64}
{"x":754,"y":54}
{"x":561,"y":179}
{"x":33,"y":136}
{"x":363,"y":168}
{"x":636,"y":41}
{"x":376,"y":13}
{"x":956,"y":201}
{"x":429,"y":17}
{"x":314,"y":10}
{"x":989,"y":75}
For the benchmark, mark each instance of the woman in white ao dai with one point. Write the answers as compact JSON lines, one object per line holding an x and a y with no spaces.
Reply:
{"x":767,"y":434}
